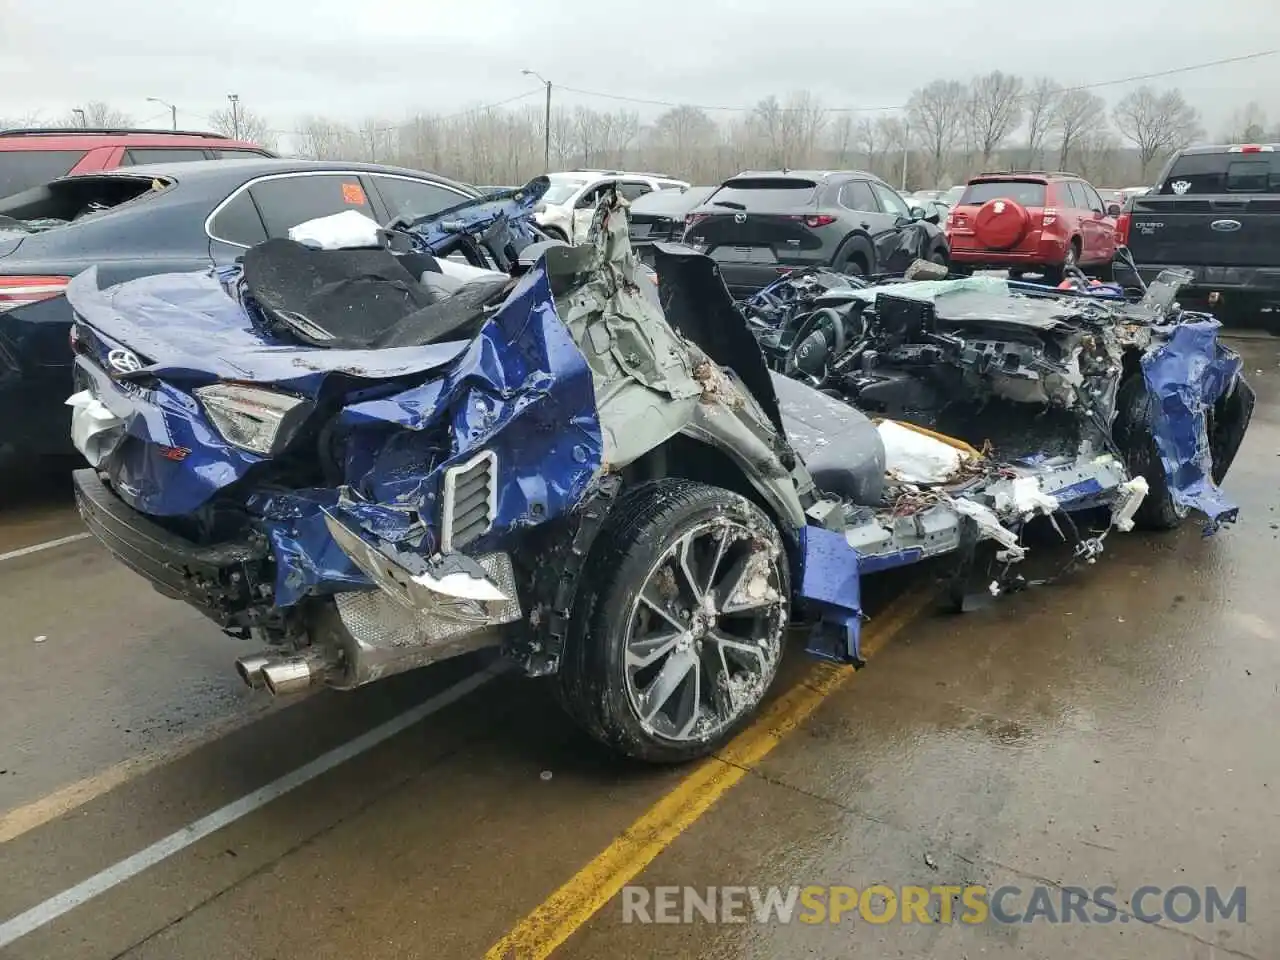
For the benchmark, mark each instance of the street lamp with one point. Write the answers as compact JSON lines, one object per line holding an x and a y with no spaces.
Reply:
{"x":235,"y":114}
{"x":546,"y":128}
{"x":79,"y":112}
{"x":173,"y":111}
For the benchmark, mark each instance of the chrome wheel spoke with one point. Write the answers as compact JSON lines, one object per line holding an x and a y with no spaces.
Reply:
{"x":655,"y":605}
{"x":685,"y":564}
{"x":706,"y":630}
{"x":743,"y":648}
{"x":645,"y":651}
{"x":666,"y":683}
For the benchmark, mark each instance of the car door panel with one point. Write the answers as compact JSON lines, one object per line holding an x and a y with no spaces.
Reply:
{"x":887,"y":226}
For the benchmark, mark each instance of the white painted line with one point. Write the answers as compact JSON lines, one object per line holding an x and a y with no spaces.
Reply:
{"x":130,"y":867}
{"x":47,"y":545}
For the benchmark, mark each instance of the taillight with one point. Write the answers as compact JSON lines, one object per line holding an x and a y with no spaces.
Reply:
{"x":819,"y":220}
{"x":951,"y":219}
{"x":1048,"y":216}
{"x":1251,"y":148}
{"x":20,"y":291}
{"x":1122,"y":228}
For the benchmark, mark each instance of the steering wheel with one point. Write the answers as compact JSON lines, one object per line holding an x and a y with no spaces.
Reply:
{"x":821,"y":330}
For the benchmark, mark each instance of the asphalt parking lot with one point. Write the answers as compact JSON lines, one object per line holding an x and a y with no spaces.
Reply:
{"x":1114,"y":729}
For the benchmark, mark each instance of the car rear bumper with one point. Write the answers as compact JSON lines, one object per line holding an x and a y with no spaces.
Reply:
{"x":1041,"y":251}
{"x":1264,"y":281}
{"x":225,"y":581}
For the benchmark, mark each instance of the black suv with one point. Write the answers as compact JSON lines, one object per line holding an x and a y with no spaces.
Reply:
{"x":761,"y":224}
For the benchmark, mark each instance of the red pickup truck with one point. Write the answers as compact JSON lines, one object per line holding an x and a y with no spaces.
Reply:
{"x":30,"y":157}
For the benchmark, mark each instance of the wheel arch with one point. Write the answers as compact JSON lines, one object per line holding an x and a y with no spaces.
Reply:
{"x":857,"y":242}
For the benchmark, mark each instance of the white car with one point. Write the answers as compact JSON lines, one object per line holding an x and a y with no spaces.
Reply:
{"x":566,"y":209}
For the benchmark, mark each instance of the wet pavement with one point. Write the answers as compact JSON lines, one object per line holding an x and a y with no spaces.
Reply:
{"x":1113,"y":730}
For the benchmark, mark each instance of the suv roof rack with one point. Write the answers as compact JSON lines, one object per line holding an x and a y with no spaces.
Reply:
{"x":622,"y":173}
{"x":1030,"y":173}
{"x":118,"y":131}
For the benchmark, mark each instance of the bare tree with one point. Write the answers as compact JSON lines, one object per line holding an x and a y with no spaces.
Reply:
{"x":96,"y":114}
{"x":935,"y":114}
{"x":1156,"y":123}
{"x":1041,"y":102}
{"x":683,"y":130}
{"x":1247,"y":125}
{"x":322,"y":138}
{"x":248,"y":125}
{"x":995,"y":110}
{"x":843,"y":135}
{"x":1079,"y":114}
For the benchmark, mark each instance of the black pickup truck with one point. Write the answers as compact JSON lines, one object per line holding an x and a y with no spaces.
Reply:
{"x":1216,"y":211}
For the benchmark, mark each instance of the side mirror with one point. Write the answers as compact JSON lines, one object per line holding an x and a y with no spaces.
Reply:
{"x":918,"y":213}
{"x":1113,"y":210}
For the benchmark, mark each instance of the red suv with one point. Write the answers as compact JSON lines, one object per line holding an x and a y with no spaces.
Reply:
{"x":1032,"y":223}
{"x":30,"y":157}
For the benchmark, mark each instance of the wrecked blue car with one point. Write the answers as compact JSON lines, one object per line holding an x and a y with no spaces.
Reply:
{"x":367,"y":464}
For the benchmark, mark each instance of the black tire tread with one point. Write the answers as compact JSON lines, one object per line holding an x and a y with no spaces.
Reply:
{"x":636,"y":529}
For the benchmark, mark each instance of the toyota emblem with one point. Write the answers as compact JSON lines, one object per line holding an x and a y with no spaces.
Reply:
{"x":124,"y":361}
{"x":739,"y":218}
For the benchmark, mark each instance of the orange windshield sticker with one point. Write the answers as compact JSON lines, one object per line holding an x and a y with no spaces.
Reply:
{"x":353,"y":193}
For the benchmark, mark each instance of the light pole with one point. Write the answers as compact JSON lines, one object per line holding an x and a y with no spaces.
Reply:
{"x":546,"y":124}
{"x":235,"y":114}
{"x":79,"y":112}
{"x":173,"y":111}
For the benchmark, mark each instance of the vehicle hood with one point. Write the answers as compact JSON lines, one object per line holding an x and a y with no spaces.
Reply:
{"x":194,"y":327}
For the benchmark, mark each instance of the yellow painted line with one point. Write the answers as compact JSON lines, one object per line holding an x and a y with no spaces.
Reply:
{"x":592,"y":887}
{"x":37,"y":813}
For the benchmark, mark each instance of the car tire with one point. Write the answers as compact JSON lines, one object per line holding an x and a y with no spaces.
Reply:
{"x":631,"y":679}
{"x":939,"y":256}
{"x":1055,"y":274}
{"x":555,"y":233}
{"x":1134,"y":435}
{"x":849,"y":262}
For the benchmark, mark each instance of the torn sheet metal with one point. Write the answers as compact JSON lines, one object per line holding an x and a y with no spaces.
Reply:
{"x":830,"y":585}
{"x":1187,"y":374}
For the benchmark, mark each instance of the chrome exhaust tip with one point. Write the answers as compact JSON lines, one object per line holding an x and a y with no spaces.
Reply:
{"x":250,"y":669}
{"x":294,"y":674}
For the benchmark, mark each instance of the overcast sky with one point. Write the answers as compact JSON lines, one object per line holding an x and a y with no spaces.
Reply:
{"x":388,"y":58}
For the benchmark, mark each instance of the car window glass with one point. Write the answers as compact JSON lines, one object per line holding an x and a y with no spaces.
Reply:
{"x":592,"y":197}
{"x":1201,"y":173}
{"x":1029,"y":193}
{"x":891,"y":202}
{"x":238,"y":222}
{"x":238,"y":154}
{"x":1073,"y":196}
{"x":856,"y":195}
{"x":137,"y":155}
{"x":415,"y":198}
{"x":289,"y":201}
{"x":1092,"y":199}
{"x":633,"y":189}
{"x":22,"y":169}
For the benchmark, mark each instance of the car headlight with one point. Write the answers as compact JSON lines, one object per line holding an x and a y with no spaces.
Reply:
{"x":251,"y":418}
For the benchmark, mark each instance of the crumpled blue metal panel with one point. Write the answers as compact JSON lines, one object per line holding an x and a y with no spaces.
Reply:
{"x":161,"y":417}
{"x":522,"y":390}
{"x":829,"y":582}
{"x":1188,"y":373}
{"x":307,"y":559}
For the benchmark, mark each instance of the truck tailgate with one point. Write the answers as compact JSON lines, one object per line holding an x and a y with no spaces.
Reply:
{"x":1241,"y":231}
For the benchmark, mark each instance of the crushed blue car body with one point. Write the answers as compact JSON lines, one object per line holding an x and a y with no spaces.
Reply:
{"x":392,"y":505}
